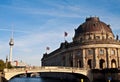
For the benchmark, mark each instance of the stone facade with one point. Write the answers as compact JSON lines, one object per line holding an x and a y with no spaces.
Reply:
{"x":94,"y":46}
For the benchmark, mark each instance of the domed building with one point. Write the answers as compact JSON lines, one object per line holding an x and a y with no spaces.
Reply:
{"x":94,"y":46}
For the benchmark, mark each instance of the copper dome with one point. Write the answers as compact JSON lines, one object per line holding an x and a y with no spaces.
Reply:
{"x":91,"y":25}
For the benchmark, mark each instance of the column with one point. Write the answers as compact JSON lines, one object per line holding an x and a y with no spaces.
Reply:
{"x":96,"y":58}
{"x":109,"y":58}
{"x":118,"y":58}
{"x":108,"y":62}
{"x":84,"y":60}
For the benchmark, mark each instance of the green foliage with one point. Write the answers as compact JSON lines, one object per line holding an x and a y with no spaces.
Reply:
{"x":2,"y":65}
{"x":9,"y":65}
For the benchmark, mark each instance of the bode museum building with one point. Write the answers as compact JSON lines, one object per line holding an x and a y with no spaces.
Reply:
{"x":94,"y":46}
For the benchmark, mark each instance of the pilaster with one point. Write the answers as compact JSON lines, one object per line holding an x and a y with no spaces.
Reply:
{"x":74,"y":64}
{"x":107,"y":62}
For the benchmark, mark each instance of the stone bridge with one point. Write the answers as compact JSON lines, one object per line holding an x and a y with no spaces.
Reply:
{"x":10,"y":73}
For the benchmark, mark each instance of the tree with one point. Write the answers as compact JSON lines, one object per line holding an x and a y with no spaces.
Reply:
{"x":9,"y":65}
{"x":2,"y":65}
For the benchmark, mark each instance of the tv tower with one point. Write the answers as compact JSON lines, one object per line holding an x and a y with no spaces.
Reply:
{"x":11,"y":43}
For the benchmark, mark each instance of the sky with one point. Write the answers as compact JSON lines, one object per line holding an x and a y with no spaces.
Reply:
{"x":37,"y":24}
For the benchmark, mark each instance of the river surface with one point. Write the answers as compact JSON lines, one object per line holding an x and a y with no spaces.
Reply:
{"x":36,"y":80}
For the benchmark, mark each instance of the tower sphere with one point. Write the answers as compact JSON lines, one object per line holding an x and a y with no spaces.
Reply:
{"x":11,"y":43}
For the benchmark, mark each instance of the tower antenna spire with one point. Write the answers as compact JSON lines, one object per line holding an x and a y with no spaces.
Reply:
{"x":12,"y":32}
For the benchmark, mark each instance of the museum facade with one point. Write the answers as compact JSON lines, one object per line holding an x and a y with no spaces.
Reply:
{"x":94,"y":46}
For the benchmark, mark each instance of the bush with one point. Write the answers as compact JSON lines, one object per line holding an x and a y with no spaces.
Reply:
{"x":2,"y":65}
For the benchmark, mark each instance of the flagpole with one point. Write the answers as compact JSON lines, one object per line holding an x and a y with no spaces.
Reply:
{"x":65,"y":35}
{"x":47,"y":48}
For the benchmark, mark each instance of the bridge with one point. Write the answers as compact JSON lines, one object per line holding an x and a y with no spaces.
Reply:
{"x":10,"y":73}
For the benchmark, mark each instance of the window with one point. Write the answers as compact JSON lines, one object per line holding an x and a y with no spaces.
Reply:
{"x":112,"y":52}
{"x":97,"y":37}
{"x":87,"y":37}
{"x":94,"y":24}
{"x":78,"y":53}
{"x":90,"y":51}
{"x":90,"y":38}
{"x":81,"y":39}
{"x":103,"y":37}
{"x":101,"y":51}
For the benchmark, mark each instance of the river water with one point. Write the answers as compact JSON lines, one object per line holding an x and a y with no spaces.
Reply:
{"x":36,"y":80}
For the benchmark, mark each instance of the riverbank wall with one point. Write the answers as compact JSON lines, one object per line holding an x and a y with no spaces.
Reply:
{"x":106,"y":75}
{"x":59,"y":75}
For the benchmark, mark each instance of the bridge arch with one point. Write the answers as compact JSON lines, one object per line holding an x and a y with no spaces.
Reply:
{"x":58,"y":75}
{"x":25,"y":75}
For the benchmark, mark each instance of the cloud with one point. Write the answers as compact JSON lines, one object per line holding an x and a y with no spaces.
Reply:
{"x":58,"y":17}
{"x":33,"y":46}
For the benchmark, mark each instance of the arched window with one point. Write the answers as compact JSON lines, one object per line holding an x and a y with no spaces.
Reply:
{"x":89,"y":63}
{"x":113,"y":63}
{"x":81,"y":39}
{"x":102,"y":64}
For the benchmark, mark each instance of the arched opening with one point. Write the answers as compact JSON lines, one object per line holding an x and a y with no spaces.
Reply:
{"x":102,"y":64}
{"x":113,"y":63}
{"x":79,"y":65}
{"x":63,"y":60}
{"x":71,"y":63}
{"x":81,"y":39}
{"x":89,"y":63}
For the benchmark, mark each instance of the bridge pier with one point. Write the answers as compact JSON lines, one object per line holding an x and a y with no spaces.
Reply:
{"x":28,"y":74}
{"x":90,"y":75}
{"x":104,"y":75}
{"x":2,"y":79}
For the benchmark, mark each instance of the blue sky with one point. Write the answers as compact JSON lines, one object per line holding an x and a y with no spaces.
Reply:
{"x":41,"y":23}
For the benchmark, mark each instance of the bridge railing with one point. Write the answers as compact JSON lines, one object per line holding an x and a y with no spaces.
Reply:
{"x":43,"y":68}
{"x":21,"y":69}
